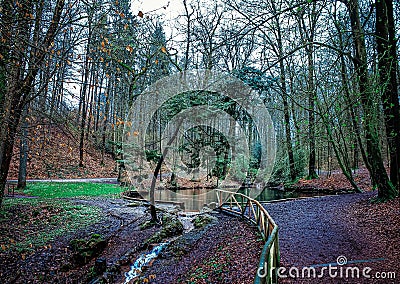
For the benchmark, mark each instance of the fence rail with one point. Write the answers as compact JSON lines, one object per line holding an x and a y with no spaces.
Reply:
{"x":246,"y":207}
{"x":10,"y":188}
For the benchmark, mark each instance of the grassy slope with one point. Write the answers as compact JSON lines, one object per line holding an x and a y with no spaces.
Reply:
{"x":29,"y":224}
{"x":67,"y":190}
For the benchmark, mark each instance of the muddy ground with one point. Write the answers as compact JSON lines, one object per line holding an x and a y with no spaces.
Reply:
{"x":225,"y":249}
{"x":313,"y":232}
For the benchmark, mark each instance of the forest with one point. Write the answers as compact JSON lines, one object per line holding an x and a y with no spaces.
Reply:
{"x":199,"y":141}
{"x":326,"y":70}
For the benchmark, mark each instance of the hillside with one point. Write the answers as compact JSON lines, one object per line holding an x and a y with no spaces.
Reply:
{"x":54,"y":154}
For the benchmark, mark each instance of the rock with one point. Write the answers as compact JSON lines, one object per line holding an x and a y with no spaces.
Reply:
{"x":134,"y":204}
{"x":203,"y":220}
{"x":125,"y":259}
{"x":148,"y":224}
{"x":171,"y":226}
{"x":211,"y":205}
{"x":100,"y":266}
{"x":85,"y":250}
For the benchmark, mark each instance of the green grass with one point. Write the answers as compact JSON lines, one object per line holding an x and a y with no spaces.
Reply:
{"x":28,"y":224}
{"x":71,"y":189}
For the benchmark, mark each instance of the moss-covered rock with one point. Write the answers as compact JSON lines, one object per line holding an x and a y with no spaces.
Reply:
{"x":203,"y":220}
{"x":185,"y":243}
{"x":171,"y":226}
{"x":86,"y":249}
{"x":148,"y":224}
{"x":135,"y":204}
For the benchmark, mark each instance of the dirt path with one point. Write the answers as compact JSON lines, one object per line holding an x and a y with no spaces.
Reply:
{"x":317,"y":231}
{"x":89,"y":180}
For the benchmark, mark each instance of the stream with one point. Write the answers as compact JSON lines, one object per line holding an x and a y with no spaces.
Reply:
{"x":142,"y":261}
{"x":146,"y":258}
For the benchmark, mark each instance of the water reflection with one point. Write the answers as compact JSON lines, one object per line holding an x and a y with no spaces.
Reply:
{"x":202,"y":199}
{"x":274,"y":193}
{"x":189,"y":199}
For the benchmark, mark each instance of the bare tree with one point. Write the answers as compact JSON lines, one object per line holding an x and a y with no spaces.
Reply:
{"x":19,"y":69}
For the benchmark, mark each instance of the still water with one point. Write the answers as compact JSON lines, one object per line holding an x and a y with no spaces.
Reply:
{"x":271,"y":194}
{"x":199,"y":199}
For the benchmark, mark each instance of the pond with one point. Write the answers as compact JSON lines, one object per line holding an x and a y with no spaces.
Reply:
{"x":276,"y":193}
{"x":197,"y":198}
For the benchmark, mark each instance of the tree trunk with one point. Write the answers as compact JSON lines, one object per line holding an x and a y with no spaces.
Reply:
{"x":23,"y":152}
{"x":105,"y":120}
{"x":286,"y":112}
{"x":374,"y":154}
{"x":91,"y":95}
{"x":288,"y":135}
{"x":311,"y":115}
{"x":188,"y":34}
{"x":344,"y":166}
{"x":157,"y":171}
{"x":387,"y":65}
{"x":7,"y":146}
{"x":349,"y":101}
{"x":307,"y":37}
{"x":83,"y":97}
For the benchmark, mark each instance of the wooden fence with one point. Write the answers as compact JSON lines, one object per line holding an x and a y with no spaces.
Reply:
{"x":10,"y":188}
{"x":250,"y":209}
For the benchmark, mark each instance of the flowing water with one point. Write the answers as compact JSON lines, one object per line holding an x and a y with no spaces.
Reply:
{"x":145,"y":259}
{"x":142,"y":261}
{"x":187,"y":223}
